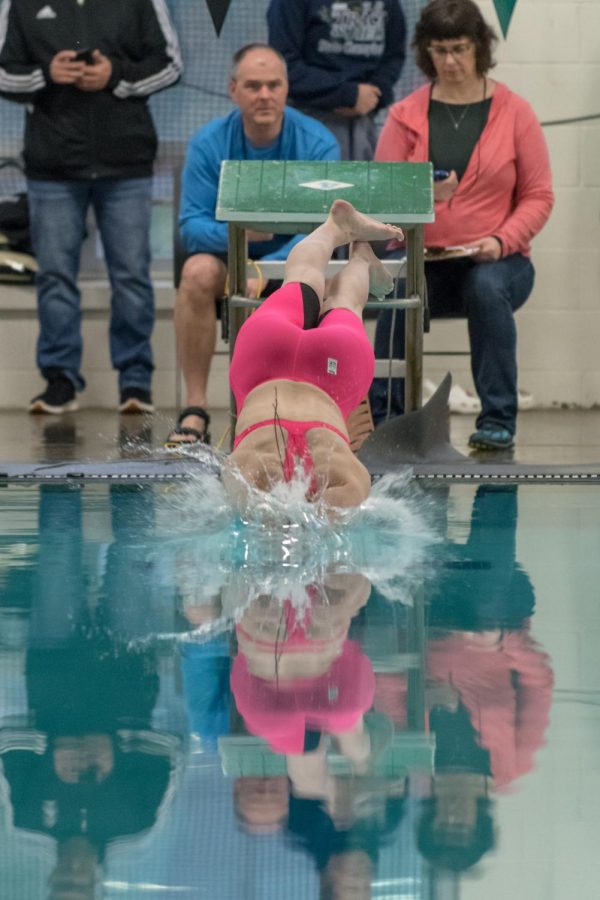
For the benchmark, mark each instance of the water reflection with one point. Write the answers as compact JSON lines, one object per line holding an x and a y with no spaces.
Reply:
{"x":489,"y":687}
{"x":357,"y":698}
{"x":309,"y":738}
{"x":303,"y":686}
{"x":82,"y":763}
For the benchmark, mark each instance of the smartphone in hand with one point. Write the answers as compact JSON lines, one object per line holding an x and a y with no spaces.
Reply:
{"x":440,"y":174}
{"x":84,"y":56}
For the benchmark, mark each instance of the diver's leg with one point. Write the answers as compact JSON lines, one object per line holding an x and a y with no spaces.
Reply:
{"x":363,"y":275}
{"x":308,"y":260}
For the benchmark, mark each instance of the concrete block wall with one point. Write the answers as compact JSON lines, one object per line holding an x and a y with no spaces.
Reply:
{"x":551,"y":57}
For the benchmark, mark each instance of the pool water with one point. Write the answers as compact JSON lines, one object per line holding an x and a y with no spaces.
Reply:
{"x":405,"y":705}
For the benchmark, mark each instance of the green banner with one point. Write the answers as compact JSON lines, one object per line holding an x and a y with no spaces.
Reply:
{"x":505,"y":9}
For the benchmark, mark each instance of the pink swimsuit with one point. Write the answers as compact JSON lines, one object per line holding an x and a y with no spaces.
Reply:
{"x":333,"y":353}
{"x":281,"y":711}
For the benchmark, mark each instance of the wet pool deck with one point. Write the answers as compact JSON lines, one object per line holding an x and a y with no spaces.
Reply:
{"x":545,"y":437}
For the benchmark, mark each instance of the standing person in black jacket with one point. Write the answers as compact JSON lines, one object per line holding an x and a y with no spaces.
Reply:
{"x":343,"y":58}
{"x":85,"y":71}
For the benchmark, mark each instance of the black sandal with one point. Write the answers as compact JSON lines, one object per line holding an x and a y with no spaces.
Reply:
{"x":200,"y":437}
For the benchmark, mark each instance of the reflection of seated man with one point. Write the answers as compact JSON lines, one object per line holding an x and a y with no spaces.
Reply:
{"x":261,"y":128}
{"x":490,"y":684}
{"x":261,"y":803}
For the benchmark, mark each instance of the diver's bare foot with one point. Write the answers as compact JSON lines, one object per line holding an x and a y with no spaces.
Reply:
{"x":355,"y":226}
{"x":381,"y":282}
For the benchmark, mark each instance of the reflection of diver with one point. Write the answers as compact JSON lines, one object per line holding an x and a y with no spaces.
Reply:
{"x":299,"y":683}
{"x":87,"y":768}
{"x":489,"y":683}
{"x":296,"y":674}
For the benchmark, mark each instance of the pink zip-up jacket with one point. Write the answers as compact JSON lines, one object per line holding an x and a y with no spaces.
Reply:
{"x":506,"y":190}
{"x":507,"y":689}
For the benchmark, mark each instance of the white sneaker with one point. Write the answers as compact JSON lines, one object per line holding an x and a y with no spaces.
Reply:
{"x":525,"y":400}
{"x":466,"y":402}
{"x":429,"y":389}
{"x":463,"y":401}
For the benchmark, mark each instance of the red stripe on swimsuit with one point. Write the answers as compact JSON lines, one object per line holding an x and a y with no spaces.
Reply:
{"x":295,"y":637}
{"x":297,"y":448}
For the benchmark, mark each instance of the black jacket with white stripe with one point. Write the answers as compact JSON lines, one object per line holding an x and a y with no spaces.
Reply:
{"x":75,"y":134}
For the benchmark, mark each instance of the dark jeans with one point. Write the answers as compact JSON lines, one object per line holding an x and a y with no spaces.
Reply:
{"x":122,"y":208}
{"x":487,"y":294}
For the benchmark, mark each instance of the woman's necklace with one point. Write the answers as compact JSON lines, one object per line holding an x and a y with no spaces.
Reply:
{"x":458,"y":122}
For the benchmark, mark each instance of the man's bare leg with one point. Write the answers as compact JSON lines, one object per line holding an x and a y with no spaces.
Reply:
{"x":308,"y":259}
{"x":364,"y":274}
{"x":202,"y":282}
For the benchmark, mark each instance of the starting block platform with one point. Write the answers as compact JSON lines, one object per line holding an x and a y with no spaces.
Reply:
{"x":292,"y":197}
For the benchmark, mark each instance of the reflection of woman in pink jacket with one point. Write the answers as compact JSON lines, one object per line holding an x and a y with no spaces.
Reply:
{"x":489,"y":685}
{"x":489,"y":698}
{"x":505,"y":682}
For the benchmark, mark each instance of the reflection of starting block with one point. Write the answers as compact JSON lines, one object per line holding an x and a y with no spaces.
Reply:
{"x":245,"y":756}
{"x":294,"y":197}
{"x":409,"y":750}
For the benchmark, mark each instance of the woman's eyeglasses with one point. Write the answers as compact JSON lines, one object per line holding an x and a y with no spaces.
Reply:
{"x":456,"y":50}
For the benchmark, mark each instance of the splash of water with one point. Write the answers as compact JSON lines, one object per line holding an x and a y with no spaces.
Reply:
{"x":282,"y":543}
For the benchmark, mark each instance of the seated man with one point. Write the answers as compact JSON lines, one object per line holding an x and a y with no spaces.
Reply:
{"x":261,"y":127}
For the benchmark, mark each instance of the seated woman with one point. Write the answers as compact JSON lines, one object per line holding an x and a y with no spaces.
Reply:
{"x":494,"y":196}
{"x":302,"y":362}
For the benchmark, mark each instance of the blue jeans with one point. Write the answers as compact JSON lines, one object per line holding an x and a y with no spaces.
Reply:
{"x":487,"y":294}
{"x":122,"y":208}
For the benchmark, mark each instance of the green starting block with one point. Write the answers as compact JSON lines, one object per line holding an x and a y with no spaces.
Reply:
{"x":249,"y":756}
{"x":291,"y":197}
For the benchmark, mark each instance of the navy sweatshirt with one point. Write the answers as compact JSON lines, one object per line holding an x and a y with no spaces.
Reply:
{"x":332,"y":46}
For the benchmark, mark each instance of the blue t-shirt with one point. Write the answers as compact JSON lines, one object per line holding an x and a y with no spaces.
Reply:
{"x":300,"y":138}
